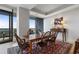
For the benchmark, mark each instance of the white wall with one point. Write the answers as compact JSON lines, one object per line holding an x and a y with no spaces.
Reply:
{"x":4,"y":7}
{"x":22,"y":21}
{"x":71,"y":19}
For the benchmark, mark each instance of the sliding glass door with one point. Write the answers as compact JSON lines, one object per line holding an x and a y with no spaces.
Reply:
{"x":6,"y":26}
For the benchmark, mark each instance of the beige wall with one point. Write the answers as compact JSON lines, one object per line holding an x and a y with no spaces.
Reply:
{"x":71,"y":19}
{"x":22,"y":21}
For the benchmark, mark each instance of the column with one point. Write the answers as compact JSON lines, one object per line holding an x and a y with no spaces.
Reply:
{"x":22,"y":21}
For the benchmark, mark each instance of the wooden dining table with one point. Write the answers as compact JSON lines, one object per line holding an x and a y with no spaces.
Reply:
{"x":34,"y":38}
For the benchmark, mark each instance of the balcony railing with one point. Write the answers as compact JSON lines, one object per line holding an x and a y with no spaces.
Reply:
{"x":4,"y":35}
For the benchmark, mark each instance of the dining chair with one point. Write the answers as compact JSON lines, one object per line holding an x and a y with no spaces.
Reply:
{"x":46,"y":34}
{"x":43,"y":43}
{"x":76,"y":47}
{"x":24,"y":46}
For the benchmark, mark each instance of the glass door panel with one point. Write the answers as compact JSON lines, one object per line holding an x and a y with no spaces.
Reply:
{"x":5,"y":26}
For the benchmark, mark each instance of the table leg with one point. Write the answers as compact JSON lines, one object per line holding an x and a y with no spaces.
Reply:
{"x":30,"y":47}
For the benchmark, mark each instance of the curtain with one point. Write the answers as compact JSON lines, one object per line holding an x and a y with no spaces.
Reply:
{"x":39,"y":25}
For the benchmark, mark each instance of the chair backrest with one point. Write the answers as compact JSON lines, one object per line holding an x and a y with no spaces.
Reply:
{"x":76,"y":48}
{"x":52,"y":37}
{"x":46,"y":34}
{"x":54,"y":32}
{"x":19,"y":41}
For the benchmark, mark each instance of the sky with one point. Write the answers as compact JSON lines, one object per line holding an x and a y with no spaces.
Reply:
{"x":4,"y":21}
{"x":31,"y":23}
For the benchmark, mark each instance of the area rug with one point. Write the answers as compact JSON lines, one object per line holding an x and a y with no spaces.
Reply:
{"x":59,"y":48}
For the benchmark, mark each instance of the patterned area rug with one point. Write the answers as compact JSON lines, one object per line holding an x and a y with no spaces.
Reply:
{"x":59,"y":48}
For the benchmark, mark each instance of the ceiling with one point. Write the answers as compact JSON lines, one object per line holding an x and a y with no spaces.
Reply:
{"x":43,"y":9}
{"x":27,"y":6}
{"x":47,"y":7}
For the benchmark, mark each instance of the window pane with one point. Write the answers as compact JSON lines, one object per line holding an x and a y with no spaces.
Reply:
{"x":32,"y":26}
{"x":14,"y":25}
{"x":4,"y":21}
{"x":14,"y":22}
{"x":31,"y":23}
{"x":4,"y":27}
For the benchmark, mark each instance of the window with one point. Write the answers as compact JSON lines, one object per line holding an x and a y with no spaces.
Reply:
{"x":14,"y":21}
{"x":6,"y":26}
{"x":36,"y":25}
{"x":14,"y":24}
{"x":4,"y":21}
{"x":32,"y":26}
{"x":32,"y":23}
